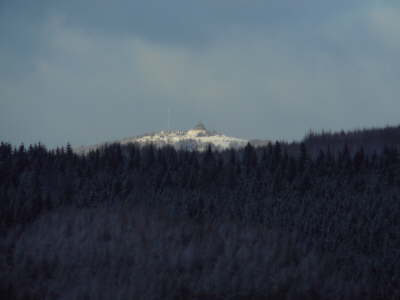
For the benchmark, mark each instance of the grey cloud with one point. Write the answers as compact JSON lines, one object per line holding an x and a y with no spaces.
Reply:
{"x":175,"y":20}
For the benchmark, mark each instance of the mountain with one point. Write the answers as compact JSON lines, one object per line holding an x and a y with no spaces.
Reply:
{"x":197,"y":138}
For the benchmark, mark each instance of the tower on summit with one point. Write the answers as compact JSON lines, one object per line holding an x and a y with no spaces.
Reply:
{"x":198,"y":131}
{"x":200,"y":126}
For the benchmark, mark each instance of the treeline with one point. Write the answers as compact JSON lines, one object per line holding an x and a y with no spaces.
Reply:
{"x":371,"y":140}
{"x":342,"y":202}
{"x":36,"y":179}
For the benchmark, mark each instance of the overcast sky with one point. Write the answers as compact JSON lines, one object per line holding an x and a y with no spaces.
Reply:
{"x":90,"y":71}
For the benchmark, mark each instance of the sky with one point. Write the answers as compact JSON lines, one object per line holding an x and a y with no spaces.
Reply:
{"x":85,"y":72}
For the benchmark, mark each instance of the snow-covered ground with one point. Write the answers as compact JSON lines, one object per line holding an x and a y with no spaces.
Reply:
{"x":197,"y":138}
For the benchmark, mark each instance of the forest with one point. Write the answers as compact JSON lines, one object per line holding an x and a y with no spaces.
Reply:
{"x":316,"y":219}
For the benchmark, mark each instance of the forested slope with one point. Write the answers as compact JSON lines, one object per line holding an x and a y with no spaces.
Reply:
{"x":285,"y":221}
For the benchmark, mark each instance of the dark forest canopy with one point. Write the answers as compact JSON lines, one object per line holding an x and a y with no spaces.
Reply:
{"x":372,"y":139}
{"x":338,"y":192}
{"x":323,"y":165}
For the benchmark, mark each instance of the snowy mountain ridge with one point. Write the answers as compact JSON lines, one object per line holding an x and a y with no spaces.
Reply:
{"x":197,"y":138}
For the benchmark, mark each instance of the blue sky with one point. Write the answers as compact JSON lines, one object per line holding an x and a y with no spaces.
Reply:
{"x":90,"y":71}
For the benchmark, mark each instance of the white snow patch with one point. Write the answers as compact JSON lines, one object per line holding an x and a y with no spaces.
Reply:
{"x":198,"y":138}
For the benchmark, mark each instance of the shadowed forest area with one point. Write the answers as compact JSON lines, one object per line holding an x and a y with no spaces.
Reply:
{"x":312,"y":220}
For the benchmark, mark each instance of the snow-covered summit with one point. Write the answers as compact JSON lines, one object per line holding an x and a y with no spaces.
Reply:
{"x":197,"y":138}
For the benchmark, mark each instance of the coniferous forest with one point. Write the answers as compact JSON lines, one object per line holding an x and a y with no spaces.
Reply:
{"x":317,"y":219}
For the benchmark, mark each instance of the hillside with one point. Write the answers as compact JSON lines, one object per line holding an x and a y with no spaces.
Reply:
{"x":197,"y":138}
{"x":370,"y":139}
{"x":143,"y":222}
